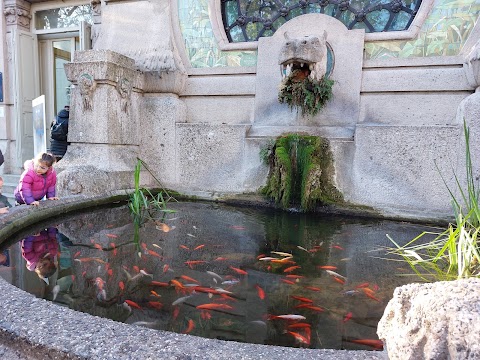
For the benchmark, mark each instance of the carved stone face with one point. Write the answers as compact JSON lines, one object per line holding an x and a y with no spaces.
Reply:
{"x":307,"y":54}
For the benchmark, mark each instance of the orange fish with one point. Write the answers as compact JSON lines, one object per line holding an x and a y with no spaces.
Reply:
{"x":205,"y":314}
{"x":199,"y":247}
{"x":136,"y":268}
{"x":121,"y":285}
{"x":114,"y":248}
{"x":190,"y":326}
{"x":133,"y":304}
{"x":299,"y":326}
{"x":377,"y":344}
{"x":327,"y":267}
{"x":76,"y":254}
{"x":163,"y":227}
{"x":260,"y":256}
{"x":213,"y":306}
{"x":110,"y":272}
{"x":341,"y":281}
{"x":177,"y":284}
{"x":155,"y":304}
{"x":362,"y":285}
{"x":370,"y":295}
{"x":184,"y":247}
{"x":286,"y":281}
{"x":190,"y":263}
{"x":154,"y":253}
{"x":292,"y":268}
{"x":283,"y":261}
{"x":303,"y":306}
{"x":299,"y":338}
{"x":154,"y":293}
{"x":337,"y":247}
{"x":159,"y":283}
{"x":260,"y":292}
{"x":315,"y":308}
{"x":205,"y":290}
{"x":188,"y":278}
{"x":175,"y":313}
{"x":347,"y":317}
{"x":313,"y":288}
{"x":220,"y":259}
{"x":112,"y":236}
{"x":165,"y":268}
{"x":300,"y":298}
{"x":238,"y":271}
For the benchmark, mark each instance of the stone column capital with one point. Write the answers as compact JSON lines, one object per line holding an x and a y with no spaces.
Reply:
{"x":17,"y":13}
{"x":472,"y":66}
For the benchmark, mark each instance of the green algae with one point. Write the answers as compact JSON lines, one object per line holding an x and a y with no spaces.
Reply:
{"x":301,"y":173}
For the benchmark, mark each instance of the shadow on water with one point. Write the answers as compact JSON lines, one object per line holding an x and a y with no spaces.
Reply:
{"x":243,"y":274}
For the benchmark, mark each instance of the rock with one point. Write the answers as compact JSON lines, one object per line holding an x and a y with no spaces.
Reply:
{"x":433,"y":321}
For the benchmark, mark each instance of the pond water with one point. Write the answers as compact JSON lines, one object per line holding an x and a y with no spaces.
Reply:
{"x":216,"y":271}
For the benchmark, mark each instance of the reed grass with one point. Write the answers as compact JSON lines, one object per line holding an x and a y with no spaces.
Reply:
{"x":454,"y":253}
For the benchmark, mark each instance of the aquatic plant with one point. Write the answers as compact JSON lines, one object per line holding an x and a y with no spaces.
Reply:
{"x":309,"y":95}
{"x":454,"y":253}
{"x":144,"y":204}
{"x":301,"y":167}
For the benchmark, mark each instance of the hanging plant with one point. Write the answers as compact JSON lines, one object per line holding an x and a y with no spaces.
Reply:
{"x":301,"y":92}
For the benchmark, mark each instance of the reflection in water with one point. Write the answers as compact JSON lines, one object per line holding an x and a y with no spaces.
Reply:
{"x":241,"y":274}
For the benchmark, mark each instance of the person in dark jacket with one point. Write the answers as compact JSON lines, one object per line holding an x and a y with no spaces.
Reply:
{"x":58,"y":142}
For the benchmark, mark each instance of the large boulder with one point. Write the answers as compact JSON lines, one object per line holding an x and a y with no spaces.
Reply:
{"x":433,"y":321}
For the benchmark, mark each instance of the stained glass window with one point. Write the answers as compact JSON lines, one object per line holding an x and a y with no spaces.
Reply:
{"x":248,"y":20}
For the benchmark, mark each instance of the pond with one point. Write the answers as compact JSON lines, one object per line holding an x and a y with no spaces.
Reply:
{"x":217,"y":271}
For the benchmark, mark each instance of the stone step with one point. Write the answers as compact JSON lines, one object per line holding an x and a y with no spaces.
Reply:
{"x":341,"y":133}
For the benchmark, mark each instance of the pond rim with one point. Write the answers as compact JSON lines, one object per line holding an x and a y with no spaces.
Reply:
{"x":45,"y":328}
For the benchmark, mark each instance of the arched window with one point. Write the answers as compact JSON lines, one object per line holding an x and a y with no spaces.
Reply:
{"x":248,"y":20}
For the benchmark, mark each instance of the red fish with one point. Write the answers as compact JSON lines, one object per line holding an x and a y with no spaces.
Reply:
{"x":163,"y":227}
{"x":220,"y":259}
{"x":190,"y":263}
{"x":237,"y":227}
{"x":337,"y":247}
{"x":205,"y":314}
{"x":184,"y":247}
{"x":301,"y":298}
{"x":188,"y":278}
{"x":370,"y":294}
{"x":377,"y":344}
{"x":177,"y":284}
{"x":190,"y":326}
{"x":154,"y":293}
{"x":136,"y":268}
{"x":114,"y":248}
{"x":110,"y":272}
{"x":133,"y":304}
{"x":155,"y":304}
{"x":199,"y":247}
{"x":286,"y":281}
{"x":260,"y":292}
{"x":165,"y":268}
{"x":299,"y":338}
{"x":327,"y":267}
{"x":112,"y":236}
{"x":312,"y":288}
{"x":347,"y":317}
{"x":159,"y":283}
{"x":315,"y":308}
{"x":291,"y":268}
{"x":76,"y":254}
{"x":299,"y":326}
{"x":238,"y":271}
{"x":260,"y":256}
{"x":362,"y":285}
{"x":175,"y":313}
{"x":154,"y":253}
{"x":213,"y":306}
{"x":341,"y":281}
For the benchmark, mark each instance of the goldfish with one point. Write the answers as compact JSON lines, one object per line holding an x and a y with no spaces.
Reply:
{"x":154,"y":293}
{"x":286,"y":281}
{"x":184,"y":247}
{"x":260,"y":292}
{"x":157,"y":246}
{"x":213,"y":306}
{"x":315,"y":308}
{"x":283,"y":261}
{"x":214,"y":275}
{"x":377,"y":344}
{"x":267,"y":258}
{"x":292,"y":268}
{"x":188,"y":278}
{"x":299,"y":326}
{"x":165,"y":268}
{"x":154,"y":253}
{"x":312,"y":288}
{"x":337,"y":247}
{"x":333,"y":273}
{"x":327,"y":267}
{"x":341,"y":281}
{"x":190,"y":326}
{"x":112,"y":236}
{"x":287,"y":317}
{"x":370,"y":295}
{"x":177,"y":284}
{"x":181,"y":300}
{"x":175,"y":313}
{"x":76,"y":254}
{"x":300,"y":298}
{"x":114,"y":248}
{"x":362,"y":285}
{"x":238,"y":271}
{"x":136,"y":268}
{"x":162,"y":227}
{"x":347,"y":317}
{"x":205,"y":290}
{"x":159,"y":283}
{"x":190,"y":263}
{"x":90,"y":259}
{"x":155,"y":304}
{"x":260,"y":256}
{"x":199,"y":247}
{"x":133,"y":304}
{"x":282,"y":253}
{"x":220,"y":258}
{"x":110,"y":272}
{"x":299,"y":338}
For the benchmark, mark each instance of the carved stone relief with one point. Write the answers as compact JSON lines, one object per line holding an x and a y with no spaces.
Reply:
{"x":124,"y":88}
{"x":15,"y":15}
{"x":87,"y":86}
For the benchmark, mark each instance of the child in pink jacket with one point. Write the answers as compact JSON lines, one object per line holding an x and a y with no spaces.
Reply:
{"x":39,"y":251}
{"x":38,"y":180}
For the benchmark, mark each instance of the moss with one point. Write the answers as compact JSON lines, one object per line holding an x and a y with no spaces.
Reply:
{"x":306,"y":94}
{"x":301,"y":171}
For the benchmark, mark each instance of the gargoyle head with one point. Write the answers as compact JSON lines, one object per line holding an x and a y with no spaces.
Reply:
{"x":304,"y":57}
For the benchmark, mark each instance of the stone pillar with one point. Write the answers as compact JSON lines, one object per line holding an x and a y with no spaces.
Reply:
{"x":103,"y":126}
{"x":469,"y":108}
